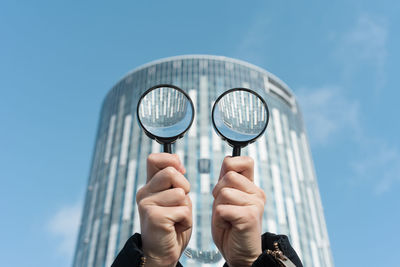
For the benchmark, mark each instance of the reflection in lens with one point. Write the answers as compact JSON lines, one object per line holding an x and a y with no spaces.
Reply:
{"x":240,"y":115}
{"x":165,"y":112}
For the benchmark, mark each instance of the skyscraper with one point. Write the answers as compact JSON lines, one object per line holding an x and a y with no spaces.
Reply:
{"x":283,"y":163}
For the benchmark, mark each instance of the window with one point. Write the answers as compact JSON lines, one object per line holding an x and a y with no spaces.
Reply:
{"x":204,"y":165}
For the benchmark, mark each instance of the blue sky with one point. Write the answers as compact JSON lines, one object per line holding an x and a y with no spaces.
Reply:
{"x":58,"y":59}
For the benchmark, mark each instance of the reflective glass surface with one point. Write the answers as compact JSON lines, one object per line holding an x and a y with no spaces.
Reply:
{"x":165,"y":112}
{"x":240,"y":116}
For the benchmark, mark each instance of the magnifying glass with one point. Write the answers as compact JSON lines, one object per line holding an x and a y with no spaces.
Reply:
{"x":240,"y":116}
{"x":165,"y":112}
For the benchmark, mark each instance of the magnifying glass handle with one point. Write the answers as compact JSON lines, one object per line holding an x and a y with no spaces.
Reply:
{"x":236,"y":151}
{"x":167,"y":148}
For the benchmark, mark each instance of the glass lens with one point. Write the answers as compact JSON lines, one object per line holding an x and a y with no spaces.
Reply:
{"x":240,"y":115}
{"x":165,"y":112}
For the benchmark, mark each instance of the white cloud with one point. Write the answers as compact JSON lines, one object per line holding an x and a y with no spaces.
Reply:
{"x":380,"y":165}
{"x":327,"y":110}
{"x":252,"y":45}
{"x":328,"y":113}
{"x":365,"y":44}
{"x":368,"y":37}
{"x":64,"y":226}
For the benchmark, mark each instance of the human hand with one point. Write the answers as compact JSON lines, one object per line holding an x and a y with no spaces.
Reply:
{"x":165,"y":210}
{"x":237,"y":212}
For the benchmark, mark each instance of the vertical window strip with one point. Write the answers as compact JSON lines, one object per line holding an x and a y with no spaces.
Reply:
{"x":180,"y":149}
{"x":205,"y":183}
{"x":204,"y":147}
{"x":89,"y":223}
{"x":193,"y":128}
{"x":216,"y":141}
{"x":293,"y":226}
{"x":277,"y":123}
{"x":119,"y":123}
{"x":204,"y":154}
{"x":109,"y":139}
{"x":93,"y":243}
{"x":95,"y":161}
{"x":112,"y":242}
{"x":327,"y":256}
{"x":204,"y":104}
{"x":290,"y":183}
{"x":130,"y":184}
{"x":110,"y":185}
{"x":280,"y":208}
{"x":125,"y":140}
{"x":321,"y":213}
{"x":314,"y":215}
{"x":315,"y":255}
{"x":293,"y":176}
{"x":307,"y":157}
{"x":262,"y":148}
{"x":298,"y":162}
{"x":324,"y":230}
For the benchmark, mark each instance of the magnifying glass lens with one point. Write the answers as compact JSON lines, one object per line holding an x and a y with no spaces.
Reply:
{"x":240,"y":116}
{"x":165,"y":112}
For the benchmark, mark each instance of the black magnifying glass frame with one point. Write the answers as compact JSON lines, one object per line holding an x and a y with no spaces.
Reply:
{"x":165,"y":141}
{"x":237,"y":145}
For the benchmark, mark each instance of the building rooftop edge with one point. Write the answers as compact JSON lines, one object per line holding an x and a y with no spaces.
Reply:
{"x":204,"y":56}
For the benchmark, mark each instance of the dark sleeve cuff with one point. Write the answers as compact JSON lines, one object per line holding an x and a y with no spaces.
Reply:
{"x":131,"y":253}
{"x":265,"y":259}
{"x":268,"y":240}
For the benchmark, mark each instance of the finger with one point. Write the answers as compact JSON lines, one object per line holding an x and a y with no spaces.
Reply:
{"x":243,"y":165}
{"x":168,"y":198}
{"x":225,"y":216}
{"x":181,"y":216}
{"x":236,"y":197}
{"x":235,"y":180}
{"x":240,"y":217}
{"x":159,"y":161}
{"x":167,"y":178}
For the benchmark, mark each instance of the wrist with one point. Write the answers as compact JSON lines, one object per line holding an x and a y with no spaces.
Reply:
{"x":156,"y":263}
{"x":242,"y":263}
{"x":242,"y":260}
{"x":150,"y":261}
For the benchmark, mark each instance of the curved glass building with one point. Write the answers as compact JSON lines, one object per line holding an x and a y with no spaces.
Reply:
{"x":283,"y":163}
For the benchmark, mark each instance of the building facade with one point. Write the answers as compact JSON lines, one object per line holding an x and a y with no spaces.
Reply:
{"x":283,"y":163}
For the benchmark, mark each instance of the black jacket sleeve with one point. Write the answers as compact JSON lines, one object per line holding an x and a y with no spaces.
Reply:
{"x":131,"y":254}
{"x":267,"y":260}
{"x":268,"y":240}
